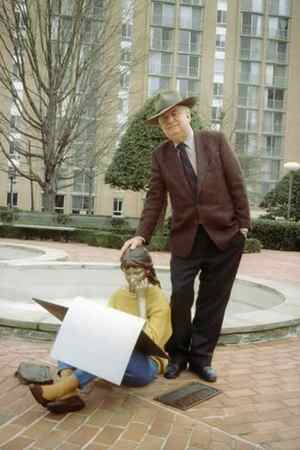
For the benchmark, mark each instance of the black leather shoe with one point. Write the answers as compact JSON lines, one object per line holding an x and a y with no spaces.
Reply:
{"x":173,"y":369}
{"x":207,"y":373}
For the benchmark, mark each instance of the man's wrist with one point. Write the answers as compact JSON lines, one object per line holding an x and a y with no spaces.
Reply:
{"x":244,"y":231}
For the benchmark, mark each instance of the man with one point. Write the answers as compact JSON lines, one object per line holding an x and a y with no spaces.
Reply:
{"x":210,"y":220}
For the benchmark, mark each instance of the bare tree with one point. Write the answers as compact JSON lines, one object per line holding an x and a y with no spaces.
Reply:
{"x":59,"y":74}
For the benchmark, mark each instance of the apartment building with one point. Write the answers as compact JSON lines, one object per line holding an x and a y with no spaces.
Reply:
{"x":241,"y":58}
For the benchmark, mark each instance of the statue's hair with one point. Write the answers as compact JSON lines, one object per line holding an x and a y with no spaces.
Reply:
{"x":140,"y":257}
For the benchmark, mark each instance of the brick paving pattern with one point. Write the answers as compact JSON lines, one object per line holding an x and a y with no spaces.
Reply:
{"x":258,"y":408}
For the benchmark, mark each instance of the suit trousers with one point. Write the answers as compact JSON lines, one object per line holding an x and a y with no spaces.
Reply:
{"x":194,"y":340}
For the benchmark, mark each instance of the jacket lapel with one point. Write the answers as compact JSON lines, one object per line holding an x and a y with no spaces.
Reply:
{"x":202,"y":159}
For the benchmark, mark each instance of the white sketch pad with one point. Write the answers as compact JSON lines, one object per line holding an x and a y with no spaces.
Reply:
{"x":97,"y":339}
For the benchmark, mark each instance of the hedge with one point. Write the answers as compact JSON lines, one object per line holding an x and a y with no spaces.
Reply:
{"x":277,"y":234}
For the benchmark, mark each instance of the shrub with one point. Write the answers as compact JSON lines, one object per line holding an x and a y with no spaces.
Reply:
{"x":277,"y":234}
{"x":252,"y":246}
{"x":8,"y":215}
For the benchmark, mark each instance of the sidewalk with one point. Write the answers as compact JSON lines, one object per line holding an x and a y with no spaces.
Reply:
{"x":259,"y":407}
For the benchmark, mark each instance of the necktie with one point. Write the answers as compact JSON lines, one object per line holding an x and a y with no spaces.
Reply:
{"x":190,"y":175}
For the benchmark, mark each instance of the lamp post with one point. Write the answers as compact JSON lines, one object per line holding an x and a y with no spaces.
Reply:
{"x":292,"y":167}
{"x":12,"y":176}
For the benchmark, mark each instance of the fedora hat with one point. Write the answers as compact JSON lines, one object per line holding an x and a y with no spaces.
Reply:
{"x":167,"y":100}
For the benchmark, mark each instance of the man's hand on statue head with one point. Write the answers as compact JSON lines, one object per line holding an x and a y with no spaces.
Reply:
{"x":132,"y":243}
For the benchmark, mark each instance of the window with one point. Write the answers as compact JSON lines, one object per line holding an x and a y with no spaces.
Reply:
{"x":156,"y":84}
{"x":218,"y":89}
{"x":188,"y":66}
{"x":117,"y":207}
{"x":14,"y":199}
{"x":278,"y":27}
{"x":251,"y":24}
{"x":125,"y":55}
{"x":190,"y":18}
{"x":276,"y":76}
{"x":273,"y":122}
{"x":80,"y":204}
{"x":163,"y":14}
{"x":247,"y":95}
{"x":221,"y":17}
{"x":188,"y":87}
{"x":219,"y":66}
{"x":277,"y":52}
{"x":124,"y":79}
{"x":270,"y":169}
{"x":252,"y":5}
{"x":126,"y":31}
{"x":273,"y":146}
{"x":216,"y":113}
{"x":246,"y":143}
{"x":59,"y":203}
{"x":189,"y":41}
{"x":250,"y":48}
{"x":279,"y":7}
{"x":220,"y":42}
{"x":84,"y":182}
{"x":15,"y":122}
{"x":161,"y":39}
{"x":250,"y":72}
{"x":247,"y":120}
{"x":274,"y":98}
{"x":160,"y":63}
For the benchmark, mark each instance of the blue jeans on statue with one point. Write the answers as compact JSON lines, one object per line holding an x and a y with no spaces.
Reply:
{"x":141,"y":370}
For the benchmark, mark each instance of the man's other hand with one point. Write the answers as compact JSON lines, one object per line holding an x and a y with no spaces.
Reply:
{"x":132,"y":243}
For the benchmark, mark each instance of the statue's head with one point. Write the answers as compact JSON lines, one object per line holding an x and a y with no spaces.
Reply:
{"x":138,"y":268}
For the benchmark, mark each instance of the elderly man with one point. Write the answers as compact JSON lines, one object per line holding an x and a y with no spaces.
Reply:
{"x":210,"y":220}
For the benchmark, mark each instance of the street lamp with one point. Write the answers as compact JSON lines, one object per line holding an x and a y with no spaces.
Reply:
{"x":12,"y":170}
{"x":292,"y":167}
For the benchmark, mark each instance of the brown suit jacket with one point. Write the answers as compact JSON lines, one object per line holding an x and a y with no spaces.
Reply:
{"x":220,"y":205}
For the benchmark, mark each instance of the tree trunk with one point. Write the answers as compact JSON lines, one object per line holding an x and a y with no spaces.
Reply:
{"x":49,"y":198}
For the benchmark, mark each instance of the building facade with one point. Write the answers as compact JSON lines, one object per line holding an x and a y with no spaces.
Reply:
{"x":241,"y":58}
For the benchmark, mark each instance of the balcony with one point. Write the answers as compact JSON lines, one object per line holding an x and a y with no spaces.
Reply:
{"x":250,"y":30}
{"x":274,"y":128}
{"x":271,"y":152}
{"x":274,"y":104}
{"x":163,"y":21}
{"x":249,"y":6}
{"x":248,"y":54}
{"x":249,"y":78}
{"x":162,"y":45}
{"x":277,"y":82}
{"x":247,"y":102}
{"x":160,"y":69}
{"x":278,"y":34}
{"x":189,"y":48}
{"x":277,"y":58}
{"x":188,"y":71}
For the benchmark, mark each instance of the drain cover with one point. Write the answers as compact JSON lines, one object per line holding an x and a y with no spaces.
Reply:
{"x":188,"y":396}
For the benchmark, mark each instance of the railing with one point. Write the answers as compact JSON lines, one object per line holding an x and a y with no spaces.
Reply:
{"x":248,"y":77}
{"x":279,"y":82}
{"x":188,"y":71}
{"x":279,"y":57}
{"x":249,"y":6}
{"x":271,"y":152}
{"x":164,"y":21}
{"x":274,"y":104}
{"x":160,"y":69}
{"x":247,"y":101}
{"x":189,"y":48}
{"x":273,"y":128}
{"x":278,"y":34}
{"x":250,"y":30}
{"x":162,"y":45}
{"x":250,"y":54}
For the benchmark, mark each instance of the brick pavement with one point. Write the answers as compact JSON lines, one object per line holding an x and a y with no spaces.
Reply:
{"x":259,"y":407}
